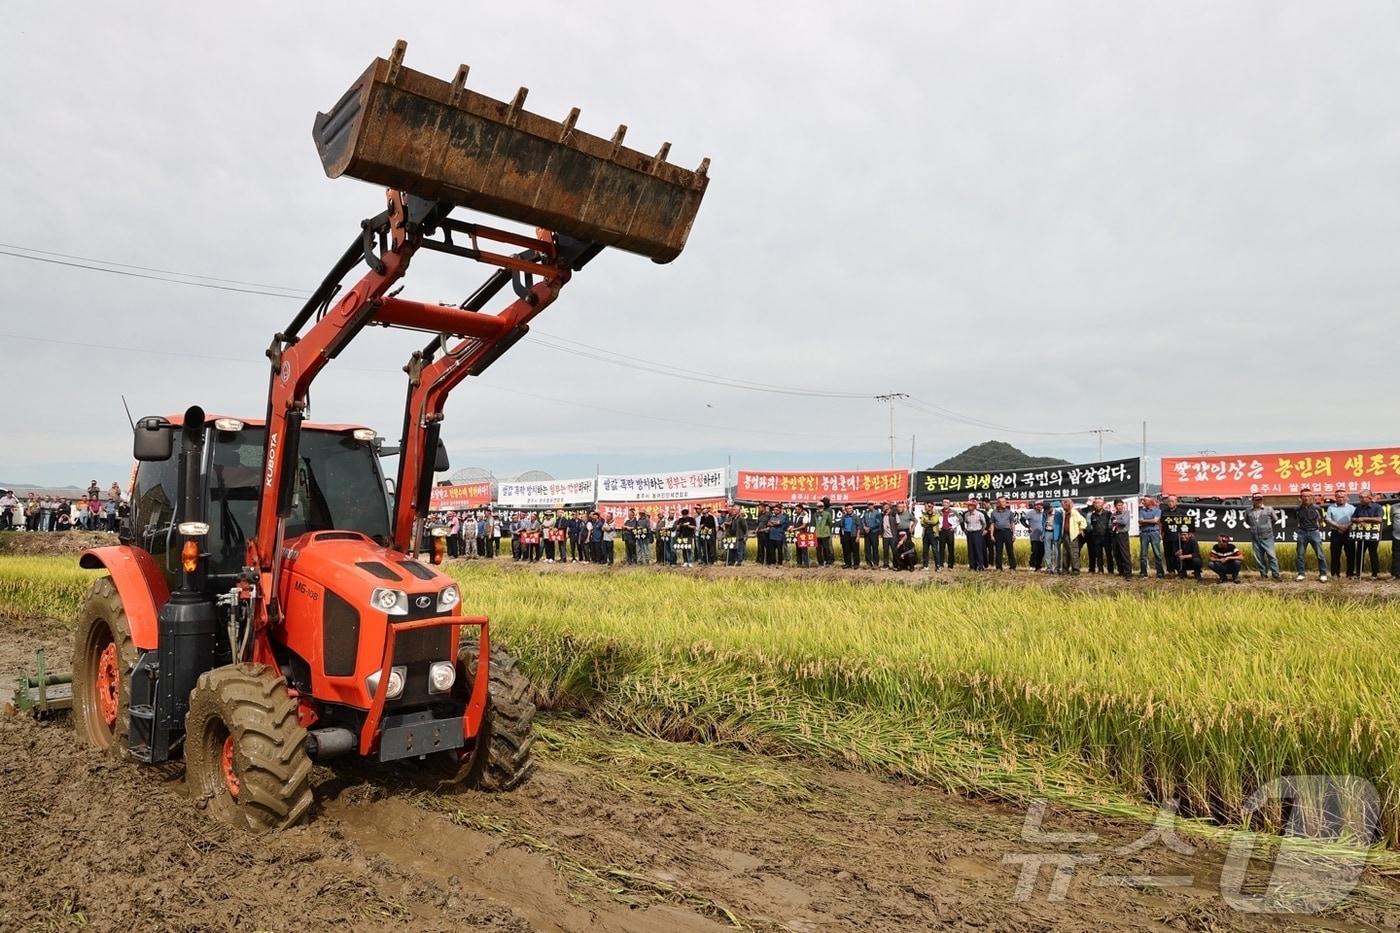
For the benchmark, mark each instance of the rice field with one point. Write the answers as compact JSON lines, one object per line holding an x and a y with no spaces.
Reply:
{"x":1108,"y":700}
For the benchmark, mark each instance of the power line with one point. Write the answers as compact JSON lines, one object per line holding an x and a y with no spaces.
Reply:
{"x":301,"y":292}
{"x":385,"y":372}
{"x":695,"y":376}
{"x":142,"y":275}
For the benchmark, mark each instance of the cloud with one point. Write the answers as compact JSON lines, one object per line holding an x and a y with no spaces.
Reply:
{"x":1048,"y":217}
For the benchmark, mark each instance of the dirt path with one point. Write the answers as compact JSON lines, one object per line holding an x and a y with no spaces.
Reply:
{"x":616,"y":833}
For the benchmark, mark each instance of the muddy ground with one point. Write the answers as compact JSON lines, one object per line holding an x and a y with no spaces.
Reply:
{"x":52,"y":543}
{"x":615,"y":832}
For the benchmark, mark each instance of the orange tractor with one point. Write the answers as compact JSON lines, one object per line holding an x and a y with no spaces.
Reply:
{"x":267,"y":608}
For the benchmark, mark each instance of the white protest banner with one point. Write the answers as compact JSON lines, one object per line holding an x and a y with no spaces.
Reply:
{"x":545,"y":494}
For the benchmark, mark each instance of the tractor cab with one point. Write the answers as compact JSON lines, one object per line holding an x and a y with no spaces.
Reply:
{"x":338,"y":486}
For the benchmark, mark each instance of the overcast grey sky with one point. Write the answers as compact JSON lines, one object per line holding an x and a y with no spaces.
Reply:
{"x":1045,"y":216}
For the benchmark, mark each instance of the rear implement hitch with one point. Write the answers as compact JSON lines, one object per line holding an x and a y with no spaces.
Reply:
{"x":41,"y":694}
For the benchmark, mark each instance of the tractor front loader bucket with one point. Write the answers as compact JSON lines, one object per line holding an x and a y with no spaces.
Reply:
{"x":438,"y":140}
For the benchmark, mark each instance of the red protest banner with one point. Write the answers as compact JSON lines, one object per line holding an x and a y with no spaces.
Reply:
{"x":1369,"y":469}
{"x":859,"y":486}
{"x":459,"y":496}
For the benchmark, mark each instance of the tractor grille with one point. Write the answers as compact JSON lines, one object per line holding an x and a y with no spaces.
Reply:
{"x":340,"y":634}
{"x":417,"y":649}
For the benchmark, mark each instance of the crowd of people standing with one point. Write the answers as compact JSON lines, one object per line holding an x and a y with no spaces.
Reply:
{"x":1064,"y":537}
{"x":92,"y":511}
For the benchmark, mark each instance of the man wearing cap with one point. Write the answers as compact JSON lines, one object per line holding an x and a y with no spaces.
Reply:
{"x":1174,"y":518}
{"x":642,"y":532}
{"x":849,"y":525}
{"x":1188,"y":554}
{"x":872,"y":521}
{"x":1226,"y":560}
{"x":1072,"y":527}
{"x":825,"y":555}
{"x":1122,"y":540}
{"x":1338,"y":518}
{"x":974,"y":525}
{"x":1259,"y":519}
{"x":1003,"y":521}
{"x":1366,"y":525}
{"x":1150,"y":536}
{"x":946,"y":554}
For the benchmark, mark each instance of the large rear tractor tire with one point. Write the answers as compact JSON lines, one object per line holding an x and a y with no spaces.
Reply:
{"x":103,"y":657}
{"x":502,"y":757}
{"x":245,"y":751}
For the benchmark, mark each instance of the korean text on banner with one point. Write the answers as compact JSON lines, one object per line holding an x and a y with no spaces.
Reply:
{"x":1371,"y":469}
{"x":855,"y":486}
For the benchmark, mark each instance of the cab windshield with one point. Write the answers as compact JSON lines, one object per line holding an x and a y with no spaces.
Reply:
{"x":338,"y":487}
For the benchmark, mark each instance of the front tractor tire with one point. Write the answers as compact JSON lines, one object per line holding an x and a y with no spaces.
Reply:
{"x":103,"y":657}
{"x":245,"y":750}
{"x":502,"y":756}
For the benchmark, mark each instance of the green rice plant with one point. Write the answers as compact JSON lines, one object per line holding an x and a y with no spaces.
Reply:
{"x":1195,"y":697}
{"x":43,"y":587}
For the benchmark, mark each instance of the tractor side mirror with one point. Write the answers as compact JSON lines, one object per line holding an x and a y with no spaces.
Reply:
{"x":440,"y":461}
{"x":154,"y":440}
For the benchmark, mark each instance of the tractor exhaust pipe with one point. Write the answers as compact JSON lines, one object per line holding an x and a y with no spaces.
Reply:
{"x":330,"y":743}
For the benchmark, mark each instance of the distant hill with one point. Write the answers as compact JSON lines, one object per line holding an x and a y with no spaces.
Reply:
{"x":995,"y":455}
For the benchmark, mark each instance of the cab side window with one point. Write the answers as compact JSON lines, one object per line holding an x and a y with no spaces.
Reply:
{"x":153,"y":512}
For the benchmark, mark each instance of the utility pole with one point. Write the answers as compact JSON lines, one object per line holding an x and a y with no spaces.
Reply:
{"x":1101,"y":432}
{"x":891,"y":397}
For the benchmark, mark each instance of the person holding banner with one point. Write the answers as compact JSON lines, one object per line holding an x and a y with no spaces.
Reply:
{"x":1366,"y":530}
{"x":1395,"y":538}
{"x":1260,"y":519}
{"x":685,"y":537}
{"x":629,"y":537}
{"x":1174,"y":518}
{"x":709,"y":535}
{"x":1339,"y":517}
{"x":1309,"y":534}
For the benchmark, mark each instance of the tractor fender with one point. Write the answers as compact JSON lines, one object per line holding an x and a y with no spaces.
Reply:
{"x":139,"y":583}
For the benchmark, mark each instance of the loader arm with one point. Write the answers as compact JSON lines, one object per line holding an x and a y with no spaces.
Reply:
{"x":437,"y":145}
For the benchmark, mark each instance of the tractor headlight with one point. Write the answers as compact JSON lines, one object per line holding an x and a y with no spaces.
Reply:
{"x":448,"y":599}
{"x":441,"y":676}
{"x":396,"y":681}
{"x":388,"y":600}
